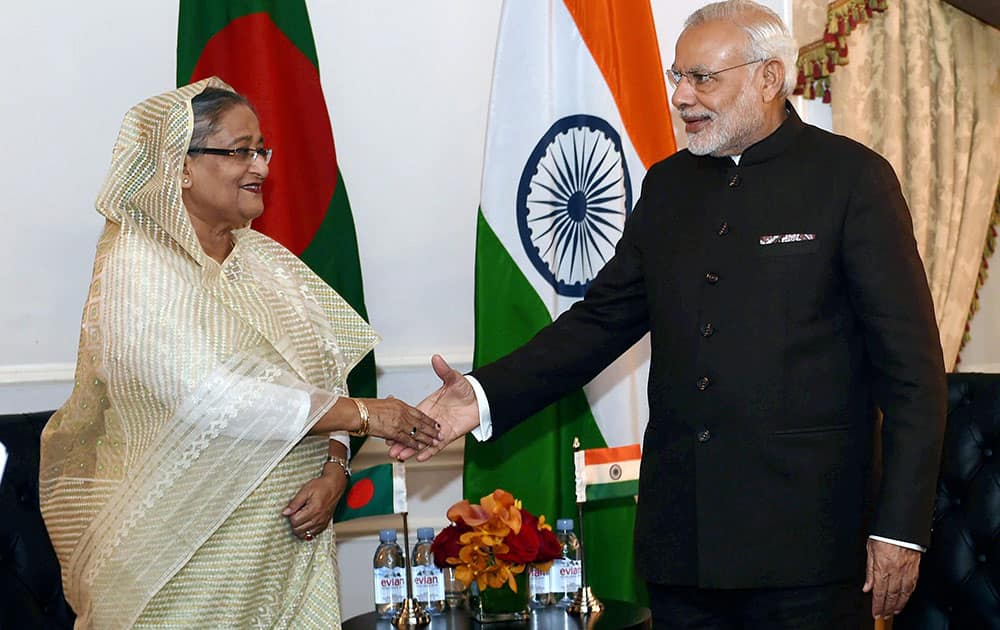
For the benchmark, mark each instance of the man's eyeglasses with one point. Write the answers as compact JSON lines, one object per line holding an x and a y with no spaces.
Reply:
{"x":243,"y":154}
{"x":701,"y":81}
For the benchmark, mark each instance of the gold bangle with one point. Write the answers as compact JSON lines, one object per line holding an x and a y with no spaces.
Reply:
{"x":340,"y":461}
{"x":363,"y":412}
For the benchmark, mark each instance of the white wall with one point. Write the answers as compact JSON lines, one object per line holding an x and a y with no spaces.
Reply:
{"x":407,"y":86}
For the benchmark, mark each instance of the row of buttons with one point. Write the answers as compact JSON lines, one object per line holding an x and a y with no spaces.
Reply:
{"x":708,"y":329}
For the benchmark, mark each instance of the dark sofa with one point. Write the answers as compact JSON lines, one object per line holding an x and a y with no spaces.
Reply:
{"x":31,"y":594}
{"x":959,"y":583}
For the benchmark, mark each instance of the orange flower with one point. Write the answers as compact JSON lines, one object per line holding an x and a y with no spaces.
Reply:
{"x":494,"y":541}
{"x":471,"y":515}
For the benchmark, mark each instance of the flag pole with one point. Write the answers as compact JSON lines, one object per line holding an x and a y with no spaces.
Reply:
{"x":584,"y":602}
{"x":411,"y":614}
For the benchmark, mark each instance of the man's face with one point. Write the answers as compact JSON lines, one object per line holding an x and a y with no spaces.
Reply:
{"x":725,"y":114}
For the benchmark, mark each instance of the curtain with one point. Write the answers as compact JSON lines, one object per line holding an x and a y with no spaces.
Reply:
{"x":922,"y":88}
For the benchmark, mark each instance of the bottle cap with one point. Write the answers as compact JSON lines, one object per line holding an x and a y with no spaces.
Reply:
{"x":425,"y":533}
{"x":564,"y":524}
{"x":387,"y":535}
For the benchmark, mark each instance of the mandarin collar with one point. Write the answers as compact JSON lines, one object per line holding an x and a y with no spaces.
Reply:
{"x":771,"y":146}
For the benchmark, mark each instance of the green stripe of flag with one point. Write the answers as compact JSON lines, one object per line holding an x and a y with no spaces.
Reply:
{"x":598,"y":491}
{"x":534,"y":460}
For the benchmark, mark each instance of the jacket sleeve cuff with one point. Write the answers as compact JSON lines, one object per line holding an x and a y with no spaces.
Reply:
{"x":485,"y":429}
{"x":899,"y":543}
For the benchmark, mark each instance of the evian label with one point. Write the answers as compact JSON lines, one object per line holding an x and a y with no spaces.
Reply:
{"x":538,"y":581}
{"x":390,"y":585}
{"x":428,"y":584}
{"x":565,"y":576}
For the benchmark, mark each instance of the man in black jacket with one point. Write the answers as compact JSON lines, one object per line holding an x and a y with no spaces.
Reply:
{"x":775,"y":267}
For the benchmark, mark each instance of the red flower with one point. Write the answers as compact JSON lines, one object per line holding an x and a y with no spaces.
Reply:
{"x":524,"y":544}
{"x":548,"y":546}
{"x":446,"y":544}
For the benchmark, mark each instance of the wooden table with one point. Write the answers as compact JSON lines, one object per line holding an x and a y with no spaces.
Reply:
{"x":614,"y":616}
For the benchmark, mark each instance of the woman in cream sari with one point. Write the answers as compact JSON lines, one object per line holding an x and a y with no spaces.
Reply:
{"x":190,"y":478}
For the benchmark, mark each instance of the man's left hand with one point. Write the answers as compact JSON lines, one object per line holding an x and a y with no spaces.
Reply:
{"x":891,"y":577}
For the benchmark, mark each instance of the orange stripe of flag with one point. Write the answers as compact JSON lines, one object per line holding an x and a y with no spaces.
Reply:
{"x":610,"y":455}
{"x":631,"y":65}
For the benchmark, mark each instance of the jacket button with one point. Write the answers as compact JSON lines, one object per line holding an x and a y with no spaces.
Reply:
{"x":723,"y":229}
{"x":735,"y":181}
{"x":704,"y":436}
{"x":711,"y":277}
{"x":707,"y":330}
{"x":702,"y":383}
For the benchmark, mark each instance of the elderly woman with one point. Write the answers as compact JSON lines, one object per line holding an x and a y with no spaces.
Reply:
{"x":190,"y":479}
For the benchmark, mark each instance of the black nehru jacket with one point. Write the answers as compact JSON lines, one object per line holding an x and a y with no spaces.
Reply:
{"x":786,"y":301}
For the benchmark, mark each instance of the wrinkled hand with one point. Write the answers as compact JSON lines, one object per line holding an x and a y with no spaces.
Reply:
{"x":453,"y":406}
{"x":891,"y":576}
{"x":311,"y":509}
{"x":396,"y":421}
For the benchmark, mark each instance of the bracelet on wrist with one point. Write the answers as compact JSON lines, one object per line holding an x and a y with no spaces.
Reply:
{"x":363,"y":412}
{"x":340,"y":461}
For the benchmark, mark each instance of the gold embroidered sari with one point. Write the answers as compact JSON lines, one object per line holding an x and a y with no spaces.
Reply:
{"x":164,"y":475}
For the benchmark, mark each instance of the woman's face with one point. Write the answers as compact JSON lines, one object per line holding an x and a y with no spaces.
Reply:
{"x":223,"y":192}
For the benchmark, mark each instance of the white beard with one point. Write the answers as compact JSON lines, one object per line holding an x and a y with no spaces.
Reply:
{"x":730,"y":132}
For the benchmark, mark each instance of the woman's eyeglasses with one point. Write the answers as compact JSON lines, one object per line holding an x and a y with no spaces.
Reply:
{"x":243,"y":154}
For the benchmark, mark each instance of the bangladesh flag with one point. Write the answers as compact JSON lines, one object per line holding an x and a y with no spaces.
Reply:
{"x":265,"y":50}
{"x":374,"y":491}
{"x":577,"y":114}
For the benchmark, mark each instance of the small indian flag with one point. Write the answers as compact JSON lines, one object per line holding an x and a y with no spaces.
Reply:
{"x":374,"y":491}
{"x":605,"y":473}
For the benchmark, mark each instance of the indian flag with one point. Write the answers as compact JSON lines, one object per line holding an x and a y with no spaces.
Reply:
{"x":578,"y":113}
{"x":374,"y":491}
{"x":607,"y":473}
{"x":265,"y":50}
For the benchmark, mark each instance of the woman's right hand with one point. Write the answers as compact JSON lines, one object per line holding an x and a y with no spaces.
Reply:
{"x":394,"y":420}
{"x":388,"y":418}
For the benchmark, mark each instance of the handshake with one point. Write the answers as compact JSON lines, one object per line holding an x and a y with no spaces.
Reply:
{"x":422,"y":431}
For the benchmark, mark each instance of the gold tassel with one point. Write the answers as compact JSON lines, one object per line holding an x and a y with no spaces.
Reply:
{"x":988,"y":250}
{"x":820,"y":58}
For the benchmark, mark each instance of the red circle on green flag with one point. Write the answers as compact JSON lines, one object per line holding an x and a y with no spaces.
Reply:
{"x":360,"y":494}
{"x":255,"y":57}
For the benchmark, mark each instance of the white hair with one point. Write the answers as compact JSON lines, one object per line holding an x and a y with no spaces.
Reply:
{"x":767,"y":35}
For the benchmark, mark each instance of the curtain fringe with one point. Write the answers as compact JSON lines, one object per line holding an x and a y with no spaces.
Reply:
{"x":818,"y":60}
{"x":988,"y":249}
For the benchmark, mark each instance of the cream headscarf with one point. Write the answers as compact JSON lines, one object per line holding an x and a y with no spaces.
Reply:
{"x":193,"y":379}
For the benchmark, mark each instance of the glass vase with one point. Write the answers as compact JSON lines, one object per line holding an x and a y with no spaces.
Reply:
{"x":501,"y":605}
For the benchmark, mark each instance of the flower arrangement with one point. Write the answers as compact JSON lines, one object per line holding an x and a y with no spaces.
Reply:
{"x":493,"y":541}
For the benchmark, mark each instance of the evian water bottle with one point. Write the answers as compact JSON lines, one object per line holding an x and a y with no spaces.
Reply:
{"x":428,"y":581}
{"x":539,"y":587}
{"x":565,"y":572}
{"x":390,"y":575}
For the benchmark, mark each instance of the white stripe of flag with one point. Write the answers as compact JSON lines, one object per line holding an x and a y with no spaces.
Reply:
{"x":399,"y":487}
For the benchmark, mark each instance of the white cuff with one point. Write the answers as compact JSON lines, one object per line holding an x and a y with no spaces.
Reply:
{"x":899,"y":543}
{"x":485,"y":429}
{"x":344,"y":438}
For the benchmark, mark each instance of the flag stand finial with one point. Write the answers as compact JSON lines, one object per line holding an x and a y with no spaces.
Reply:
{"x":584,"y":602}
{"x":411,"y":614}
